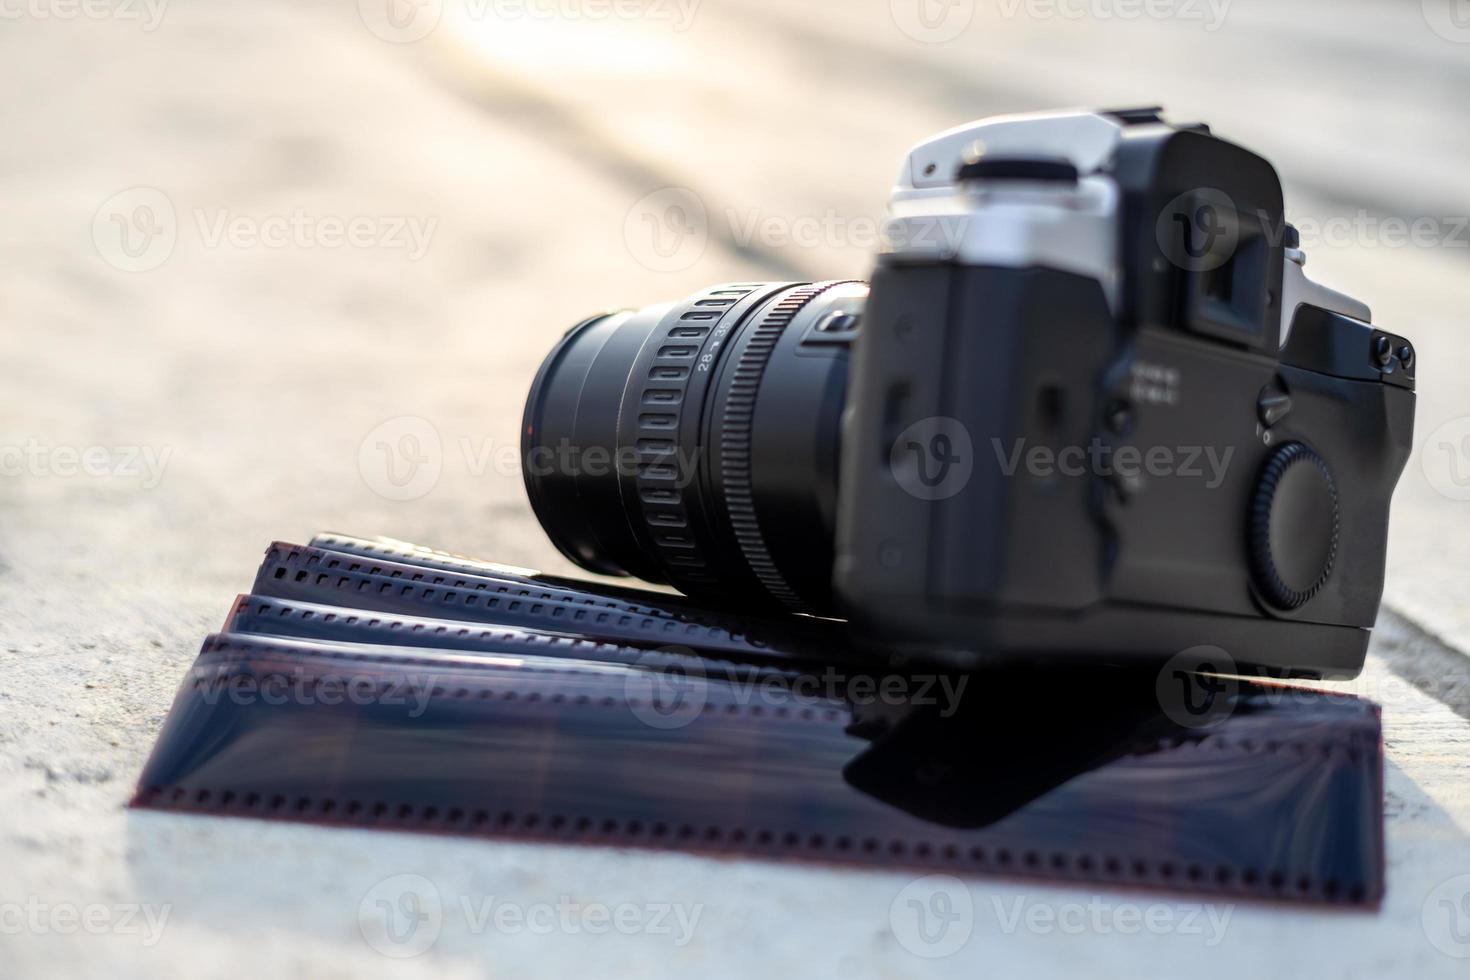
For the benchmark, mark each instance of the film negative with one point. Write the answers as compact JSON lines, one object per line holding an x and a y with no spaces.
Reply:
{"x":1273,"y":792}
{"x":253,"y":615}
{"x":404,"y":552}
{"x":334,"y":578}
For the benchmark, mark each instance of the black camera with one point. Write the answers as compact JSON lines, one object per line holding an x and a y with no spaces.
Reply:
{"x":1090,"y":408}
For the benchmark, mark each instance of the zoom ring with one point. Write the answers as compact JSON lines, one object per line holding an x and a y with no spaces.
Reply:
{"x":735,"y":441}
{"x":663,"y":490}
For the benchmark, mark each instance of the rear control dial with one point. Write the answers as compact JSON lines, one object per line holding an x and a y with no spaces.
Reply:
{"x":1294,"y":519}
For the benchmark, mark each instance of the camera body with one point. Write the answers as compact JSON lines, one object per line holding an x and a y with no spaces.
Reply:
{"x":1090,"y":409}
{"x":1098,"y":410}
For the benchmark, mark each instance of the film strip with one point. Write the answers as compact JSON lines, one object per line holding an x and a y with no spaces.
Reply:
{"x":353,"y":714}
{"x":404,"y":552}
{"x":254,"y":615}
{"x":334,"y":578}
{"x":526,"y":736}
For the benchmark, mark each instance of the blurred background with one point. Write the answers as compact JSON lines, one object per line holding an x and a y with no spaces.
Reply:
{"x":280,"y":267}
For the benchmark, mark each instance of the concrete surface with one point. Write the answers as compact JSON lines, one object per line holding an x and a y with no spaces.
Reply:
{"x":171,"y":407}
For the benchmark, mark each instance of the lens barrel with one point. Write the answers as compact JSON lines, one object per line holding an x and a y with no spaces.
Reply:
{"x":696,"y":443}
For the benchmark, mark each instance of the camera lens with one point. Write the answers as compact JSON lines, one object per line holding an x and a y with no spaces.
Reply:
{"x":696,"y":443}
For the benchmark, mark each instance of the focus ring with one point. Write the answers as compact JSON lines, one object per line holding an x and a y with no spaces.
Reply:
{"x":735,"y":440}
{"x":659,"y":396}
